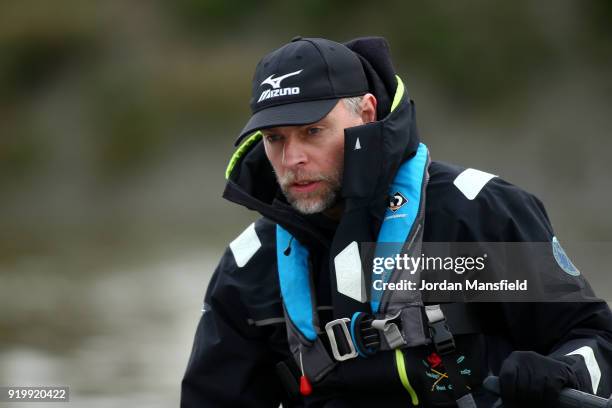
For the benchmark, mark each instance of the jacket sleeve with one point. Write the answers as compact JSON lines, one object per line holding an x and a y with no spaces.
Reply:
{"x":582,"y":330}
{"x":231,"y":362}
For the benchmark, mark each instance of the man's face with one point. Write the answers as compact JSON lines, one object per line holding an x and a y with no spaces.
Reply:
{"x":308,"y":160}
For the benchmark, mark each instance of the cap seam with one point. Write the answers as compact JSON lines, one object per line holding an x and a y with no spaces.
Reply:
{"x":280,"y":59}
{"x":326,"y":64}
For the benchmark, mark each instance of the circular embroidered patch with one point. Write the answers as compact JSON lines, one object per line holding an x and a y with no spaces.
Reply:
{"x":562,"y":259}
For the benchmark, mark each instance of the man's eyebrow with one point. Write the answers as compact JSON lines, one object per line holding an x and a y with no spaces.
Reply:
{"x":317,"y":123}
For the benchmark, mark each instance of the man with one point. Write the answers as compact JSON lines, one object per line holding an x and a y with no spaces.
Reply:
{"x":331,"y":158}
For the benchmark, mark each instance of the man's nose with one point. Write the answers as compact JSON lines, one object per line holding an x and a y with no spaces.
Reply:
{"x":293,"y":153}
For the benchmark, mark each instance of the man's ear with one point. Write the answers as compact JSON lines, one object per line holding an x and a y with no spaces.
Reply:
{"x":368,"y":108}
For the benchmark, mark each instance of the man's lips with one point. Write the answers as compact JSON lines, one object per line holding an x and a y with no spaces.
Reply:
{"x":304,"y":186}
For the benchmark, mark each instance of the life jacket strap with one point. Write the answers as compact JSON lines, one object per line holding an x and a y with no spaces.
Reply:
{"x":364,"y":334}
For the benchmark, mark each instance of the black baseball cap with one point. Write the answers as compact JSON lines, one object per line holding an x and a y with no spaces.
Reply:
{"x":301,"y":82}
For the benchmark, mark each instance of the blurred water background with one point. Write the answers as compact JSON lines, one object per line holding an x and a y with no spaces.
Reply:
{"x":117,"y":119}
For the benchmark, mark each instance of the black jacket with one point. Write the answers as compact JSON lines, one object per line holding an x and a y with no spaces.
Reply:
{"x":242,"y":336}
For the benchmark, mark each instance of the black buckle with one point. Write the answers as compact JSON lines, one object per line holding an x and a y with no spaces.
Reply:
{"x":367,"y":338}
{"x":442,"y":337}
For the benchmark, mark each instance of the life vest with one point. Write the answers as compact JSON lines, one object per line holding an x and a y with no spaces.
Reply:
{"x":398,"y":319}
{"x":402,"y":229}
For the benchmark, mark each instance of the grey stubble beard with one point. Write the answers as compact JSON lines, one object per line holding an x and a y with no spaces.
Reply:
{"x":318,"y":201}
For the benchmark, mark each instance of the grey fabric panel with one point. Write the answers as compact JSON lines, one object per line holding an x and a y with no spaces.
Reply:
{"x":317,"y":362}
{"x":467,"y":401}
{"x":313,"y":356}
{"x":413,"y":329}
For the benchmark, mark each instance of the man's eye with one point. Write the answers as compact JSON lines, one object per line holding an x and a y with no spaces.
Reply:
{"x":313,"y":130}
{"x":272,"y":138}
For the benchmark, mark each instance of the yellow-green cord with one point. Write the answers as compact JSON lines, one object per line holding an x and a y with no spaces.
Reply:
{"x":401,"y":370}
{"x":399,"y":93}
{"x":246,"y":145}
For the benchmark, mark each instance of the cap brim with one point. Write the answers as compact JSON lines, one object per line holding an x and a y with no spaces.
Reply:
{"x":290,"y":114}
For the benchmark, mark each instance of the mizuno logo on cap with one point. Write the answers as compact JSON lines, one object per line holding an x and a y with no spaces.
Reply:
{"x":275,"y":82}
{"x":276,"y":89}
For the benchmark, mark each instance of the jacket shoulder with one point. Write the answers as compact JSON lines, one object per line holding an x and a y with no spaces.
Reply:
{"x":484,"y":205}
{"x":247,"y":273}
